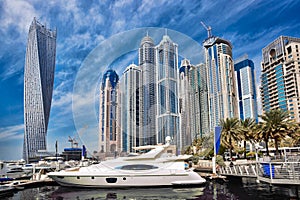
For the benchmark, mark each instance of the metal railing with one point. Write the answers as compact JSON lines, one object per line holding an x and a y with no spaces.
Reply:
{"x":271,"y":172}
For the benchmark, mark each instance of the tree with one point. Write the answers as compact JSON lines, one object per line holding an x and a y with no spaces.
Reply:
{"x":246,"y":129}
{"x":294,"y":134}
{"x":275,"y":125}
{"x":230,"y":133}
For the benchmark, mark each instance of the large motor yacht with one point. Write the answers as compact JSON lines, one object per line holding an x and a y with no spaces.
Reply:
{"x":157,"y":167}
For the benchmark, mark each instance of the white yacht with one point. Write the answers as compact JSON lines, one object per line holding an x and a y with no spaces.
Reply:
{"x":158,"y":167}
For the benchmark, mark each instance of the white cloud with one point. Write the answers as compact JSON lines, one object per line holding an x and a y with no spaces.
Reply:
{"x":62,"y":100}
{"x":120,"y":65}
{"x":12,"y":132}
{"x":148,"y":6}
{"x":11,"y":71}
{"x":18,"y":13}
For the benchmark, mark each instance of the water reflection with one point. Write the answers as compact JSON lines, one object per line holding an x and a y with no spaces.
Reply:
{"x":213,"y":190}
{"x":64,"y":193}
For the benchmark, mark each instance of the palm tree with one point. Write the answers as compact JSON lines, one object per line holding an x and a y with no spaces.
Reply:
{"x":247,"y":128}
{"x":294,"y":134}
{"x":230,"y":133}
{"x":275,"y":125}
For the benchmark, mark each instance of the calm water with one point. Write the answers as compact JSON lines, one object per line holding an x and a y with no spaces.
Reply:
{"x":233,"y":189}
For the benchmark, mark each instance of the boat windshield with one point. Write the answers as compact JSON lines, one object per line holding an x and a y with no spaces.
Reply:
{"x":137,"y":167}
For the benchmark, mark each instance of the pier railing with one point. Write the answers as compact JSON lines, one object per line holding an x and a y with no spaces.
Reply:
{"x":270,"y":172}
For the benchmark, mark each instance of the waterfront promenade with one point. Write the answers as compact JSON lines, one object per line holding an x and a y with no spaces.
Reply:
{"x":285,"y":173}
{"x":273,"y":172}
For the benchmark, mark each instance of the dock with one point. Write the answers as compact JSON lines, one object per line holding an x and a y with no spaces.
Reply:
{"x":281,"y":173}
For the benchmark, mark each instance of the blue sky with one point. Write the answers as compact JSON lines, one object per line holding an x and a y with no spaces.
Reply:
{"x":84,"y":25}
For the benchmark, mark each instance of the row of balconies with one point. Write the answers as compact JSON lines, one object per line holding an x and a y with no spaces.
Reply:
{"x":269,"y":66}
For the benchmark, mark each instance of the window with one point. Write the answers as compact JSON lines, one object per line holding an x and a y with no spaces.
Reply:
{"x":111,"y":180}
{"x":289,"y":50}
{"x":138,"y":167}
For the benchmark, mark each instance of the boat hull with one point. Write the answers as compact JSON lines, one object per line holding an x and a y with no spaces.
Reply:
{"x":128,"y":180}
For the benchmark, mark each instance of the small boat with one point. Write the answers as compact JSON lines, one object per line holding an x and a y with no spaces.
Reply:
{"x":14,"y":170}
{"x":19,"y":185}
{"x":157,"y":167}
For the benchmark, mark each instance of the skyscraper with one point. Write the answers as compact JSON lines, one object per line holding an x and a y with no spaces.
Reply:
{"x":193,"y":103}
{"x":108,"y":142}
{"x":147,"y":66}
{"x":244,"y":71}
{"x":199,"y":85}
{"x":221,"y":80}
{"x":280,"y":78}
{"x":38,"y":87}
{"x":167,"y":90}
{"x":131,"y":112}
{"x":185,"y":92}
{"x":199,"y":101}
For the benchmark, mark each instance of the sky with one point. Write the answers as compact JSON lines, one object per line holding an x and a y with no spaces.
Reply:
{"x":88,"y":30}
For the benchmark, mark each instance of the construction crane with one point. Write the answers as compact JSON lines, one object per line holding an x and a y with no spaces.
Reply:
{"x":208,"y":28}
{"x":74,"y":143}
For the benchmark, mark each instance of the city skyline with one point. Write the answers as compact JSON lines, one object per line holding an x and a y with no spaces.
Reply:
{"x":82,"y":26}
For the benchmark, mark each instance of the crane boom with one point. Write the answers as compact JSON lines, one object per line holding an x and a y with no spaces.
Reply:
{"x":208,"y":28}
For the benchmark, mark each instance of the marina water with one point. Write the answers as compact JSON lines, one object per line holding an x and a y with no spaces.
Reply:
{"x":232,"y":189}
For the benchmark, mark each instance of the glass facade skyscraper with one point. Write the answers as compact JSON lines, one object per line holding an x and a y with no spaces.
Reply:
{"x":199,"y":99}
{"x":108,"y":142}
{"x":280,"y":76}
{"x":222,"y":99}
{"x":185,"y":101}
{"x":167,"y":90}
{"x":131,"y":108}
{"x":147,"y":66}
{"x":193,"y":104}
{"x":38,"y":87}
{"x":244,"y":71}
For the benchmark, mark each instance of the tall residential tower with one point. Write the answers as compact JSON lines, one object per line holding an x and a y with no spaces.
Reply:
{"x":280,"y":78}
{"x":38,"y":87}
{"x":167,"y":91}
{"x":147,"y":66}
{"x":244,"y":71}
{"x":193,"y":104}
{"x":221,"y":82}
{"x":108,"y":142}
{"x":131,"y":108}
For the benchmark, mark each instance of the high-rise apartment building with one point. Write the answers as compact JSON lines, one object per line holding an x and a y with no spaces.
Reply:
{"x":221,"y":86}
{"x":193,"y":103}
{"x":108,"y":142}
{"x":200,"y":92}
{"x":246,"y":91}
{"x":167,"y":90}
{"x":280,"y":78}
{"x":185,"y":92}
{"x":131,"y":108}
{"x":147,"y":66}
{"x":38,"y":87}
{"x":199,"y":101}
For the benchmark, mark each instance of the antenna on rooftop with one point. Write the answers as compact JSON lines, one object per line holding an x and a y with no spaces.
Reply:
{"x":208,"y":28}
